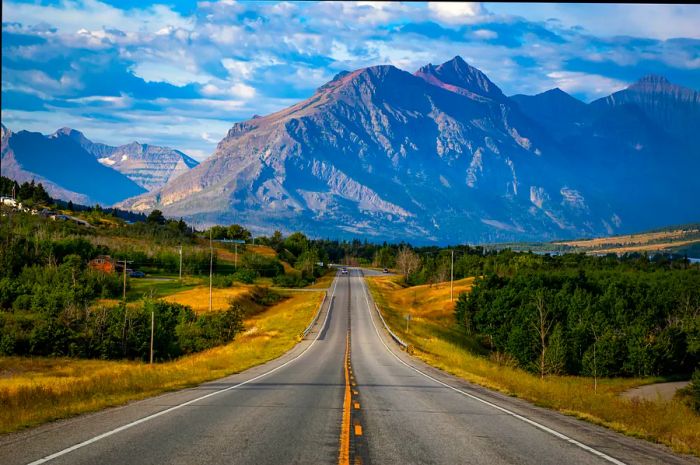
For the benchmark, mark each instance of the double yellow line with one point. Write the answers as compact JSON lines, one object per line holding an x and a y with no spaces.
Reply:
{"x":344,"y":455}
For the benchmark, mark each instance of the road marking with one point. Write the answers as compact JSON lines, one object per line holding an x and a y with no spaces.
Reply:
{"x":486,"y":402}
{"x":358,"y":430}
{"x":344,"y":452}
{"x":357,"y":406}
{"x":184,"y":404}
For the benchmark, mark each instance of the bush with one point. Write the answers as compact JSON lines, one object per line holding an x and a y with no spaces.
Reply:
{"x":694,"y":390}
{"x":245,"y":276}
{"x":222,"y":280}
{"x":264,"y":266}
{"x":290,"y":280}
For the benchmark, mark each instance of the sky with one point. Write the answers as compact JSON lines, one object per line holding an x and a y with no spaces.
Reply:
{"x":179,"y":74}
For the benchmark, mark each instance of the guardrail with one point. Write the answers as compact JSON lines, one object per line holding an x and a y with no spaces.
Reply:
{"x":318,"y":312}
{"x":391,"y":333}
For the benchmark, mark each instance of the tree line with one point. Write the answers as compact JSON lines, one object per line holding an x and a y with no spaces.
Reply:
{"x":609,"y":316}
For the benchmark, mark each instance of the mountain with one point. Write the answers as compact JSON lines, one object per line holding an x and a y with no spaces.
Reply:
{"x":457,"y":76}
{"x":149,"y":166}
{"x":674,"y":108}
{"x":439,"y":155}
{"x":64,"y":167}
{"x":560,"y":113}
{"x":639,"y":142}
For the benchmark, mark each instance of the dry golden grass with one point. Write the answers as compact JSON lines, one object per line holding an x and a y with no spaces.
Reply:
{"x":263,"y":250}
{"x":647,"y":247}
{"x":437,"y":340}
{"x":36,"y":390}
{"x":427,"y":301}
{"x":198,"y":298}
{"x":633,"y":239}
{"x":269,"y":252}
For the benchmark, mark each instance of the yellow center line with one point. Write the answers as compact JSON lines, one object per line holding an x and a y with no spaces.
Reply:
{"x":344,"y":455}
{"x":357,"y":406}
{"x":358,"y":430}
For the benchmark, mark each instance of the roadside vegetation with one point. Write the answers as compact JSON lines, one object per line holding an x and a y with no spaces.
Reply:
{"x":75,"y":325}
{"x":529,"y":325}
{"x":34,"y":390}
{"x":568,"y":332}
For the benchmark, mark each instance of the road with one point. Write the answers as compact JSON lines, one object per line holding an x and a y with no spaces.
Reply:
{"x":346,"y":394}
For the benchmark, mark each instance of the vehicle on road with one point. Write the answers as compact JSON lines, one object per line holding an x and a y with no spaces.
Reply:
{"x":137,"y":274}
{"x":385,"y":270}
{"x":344,"y":270}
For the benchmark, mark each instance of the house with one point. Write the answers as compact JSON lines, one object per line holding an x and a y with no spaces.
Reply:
{"x":10,"y":202}
{"x":103,"y":263}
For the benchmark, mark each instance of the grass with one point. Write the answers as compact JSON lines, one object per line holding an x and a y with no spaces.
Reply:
{"x":159,"y":287}
{"x":38,"y":389}
{"x":650,"y":241}
{"x":436,"y":339}
{"x":198,"y":297}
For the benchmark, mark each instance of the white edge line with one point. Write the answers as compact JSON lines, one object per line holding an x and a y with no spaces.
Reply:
{"x":502,"y":409}
{"x":184,"y":404}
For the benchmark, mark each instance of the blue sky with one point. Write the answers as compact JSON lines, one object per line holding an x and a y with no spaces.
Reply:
{"x":181,"y":73}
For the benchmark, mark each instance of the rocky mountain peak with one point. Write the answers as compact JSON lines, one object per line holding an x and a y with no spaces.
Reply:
{"x":69,"y":132}
{"x":458,"y":76}
{"x":653,"y":79}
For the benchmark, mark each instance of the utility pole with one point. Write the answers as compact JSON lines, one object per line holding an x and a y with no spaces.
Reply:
{"x":452,"y":276}
{"x":235,"y":259}
{"x":153,"y":323}
{"x":124,"y":291}
{"x":181,"y":262}
{"x":211,"y":266}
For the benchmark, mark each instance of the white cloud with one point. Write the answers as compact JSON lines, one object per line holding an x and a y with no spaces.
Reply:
{"x":159,"y":71}
{"x":456,"y":12}
{"x":485,"y":34}
{"x":238,"y":68}
{"x":71,"y":16}
{"x":659,"y":21}
{"x":593,"y":85}
{"x":237,"y":90}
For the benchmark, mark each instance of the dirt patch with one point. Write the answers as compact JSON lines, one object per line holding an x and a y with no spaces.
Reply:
{"x":658,"y":391}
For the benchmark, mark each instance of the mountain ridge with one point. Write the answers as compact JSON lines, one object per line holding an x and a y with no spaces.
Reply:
{"x":118,"y":172}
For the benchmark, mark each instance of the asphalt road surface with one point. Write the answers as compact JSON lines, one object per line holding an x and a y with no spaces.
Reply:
{"x":346,"y":394}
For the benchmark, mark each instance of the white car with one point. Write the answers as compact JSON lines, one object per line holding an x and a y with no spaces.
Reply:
{"x":344,"y":271}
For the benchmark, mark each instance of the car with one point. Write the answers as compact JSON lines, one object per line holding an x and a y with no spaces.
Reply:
{"x":344,"y":270}
{"x":385,"y":270}
{"x":137,"y":274}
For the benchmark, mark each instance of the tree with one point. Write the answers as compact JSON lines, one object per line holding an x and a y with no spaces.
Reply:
{"x":276,"y":240}
{"x":296,"y":243}
{"x":236,"y":231}
{"x":555,"y":360}
{"x":384,"y":257}
{"x":70,"y":205}
{"x":408,"y":261}
{"x":543,"y":324}
{"x":155,"y":217}
{"x":306,"y":261}
{"x":40,"y":195}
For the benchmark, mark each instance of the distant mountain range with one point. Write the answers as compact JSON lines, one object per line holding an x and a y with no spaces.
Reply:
{"x":442,"y":155}
{"x":72,"y":167}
